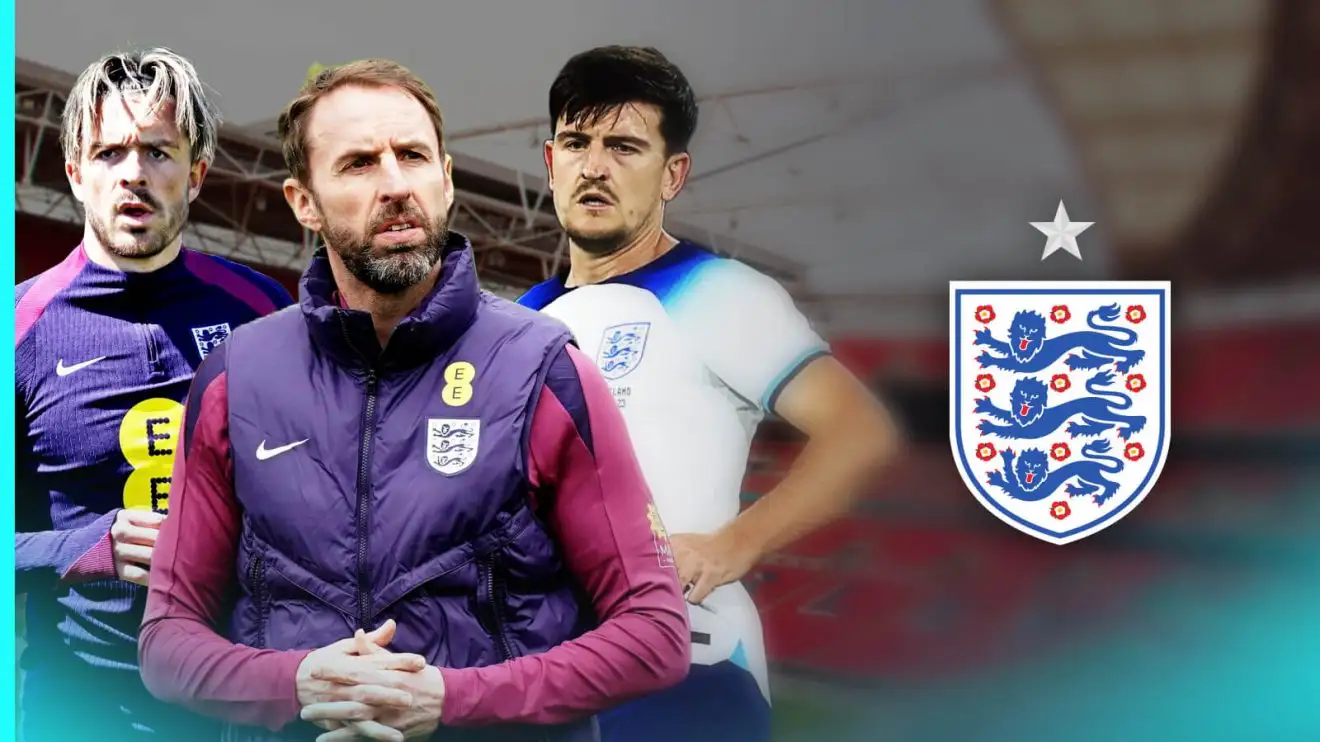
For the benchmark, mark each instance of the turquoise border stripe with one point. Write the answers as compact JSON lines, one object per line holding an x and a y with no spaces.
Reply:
{"x":791,"y":368}
{"x":7,"y":368}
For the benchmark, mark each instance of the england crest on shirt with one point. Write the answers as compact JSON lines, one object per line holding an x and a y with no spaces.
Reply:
{"x":1059,"y":400}
{"x":621,"y":349}
{"x":451,"y":445}
{"x":207,"y":338}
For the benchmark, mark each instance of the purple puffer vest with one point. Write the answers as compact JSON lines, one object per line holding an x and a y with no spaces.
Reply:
{"x":408,"y":499}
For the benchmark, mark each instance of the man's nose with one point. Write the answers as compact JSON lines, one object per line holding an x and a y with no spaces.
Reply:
{"x":394,"y":186}
{"x":596,"y":166}
{"x":131,"y":171}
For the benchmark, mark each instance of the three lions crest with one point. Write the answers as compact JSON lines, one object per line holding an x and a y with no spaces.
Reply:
{"x":1059,"y":400}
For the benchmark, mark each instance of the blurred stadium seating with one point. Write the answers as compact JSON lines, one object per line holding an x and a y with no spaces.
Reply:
{"x":921,"y":585}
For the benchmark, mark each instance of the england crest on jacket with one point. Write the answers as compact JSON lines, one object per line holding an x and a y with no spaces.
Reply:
{"x":1059,"y":400}
{"x":451,"y":445}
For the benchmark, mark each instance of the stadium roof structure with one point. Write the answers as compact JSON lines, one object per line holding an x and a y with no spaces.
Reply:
{"x":865,"y":152}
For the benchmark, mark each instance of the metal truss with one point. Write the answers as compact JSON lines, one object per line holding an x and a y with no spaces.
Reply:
{"x":515,"y":244}
{"x":241,"y":212}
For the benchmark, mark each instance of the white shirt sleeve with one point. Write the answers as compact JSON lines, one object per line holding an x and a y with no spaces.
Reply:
{"x":747,"y":329}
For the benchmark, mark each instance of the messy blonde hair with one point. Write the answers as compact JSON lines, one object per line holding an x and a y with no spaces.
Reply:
{"x":160,"y":76}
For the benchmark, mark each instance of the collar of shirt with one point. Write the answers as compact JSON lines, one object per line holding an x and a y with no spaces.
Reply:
{"x":349,"y":335}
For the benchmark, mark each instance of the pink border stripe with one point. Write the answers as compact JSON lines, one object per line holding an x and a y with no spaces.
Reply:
{"x":216,"y":274}
{"x":52,"y":282}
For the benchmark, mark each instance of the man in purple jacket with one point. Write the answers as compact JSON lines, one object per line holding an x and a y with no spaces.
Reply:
{"x":405,"y":455}
{"x":106,"y":344}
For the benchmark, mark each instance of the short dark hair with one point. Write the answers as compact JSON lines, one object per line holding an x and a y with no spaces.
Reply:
{"x":380,"y":73}
{"x":596,"y":81}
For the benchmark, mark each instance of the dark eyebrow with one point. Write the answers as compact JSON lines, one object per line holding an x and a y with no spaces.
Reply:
{"x":566,"y":136}
{"x":353,"y":154}
{"x":637,"y":142}
{"x":419,"y":146}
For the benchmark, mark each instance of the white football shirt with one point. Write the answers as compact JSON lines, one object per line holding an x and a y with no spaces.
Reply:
{"x":696,"y":349}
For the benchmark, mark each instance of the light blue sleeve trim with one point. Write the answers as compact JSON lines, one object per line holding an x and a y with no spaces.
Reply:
{"x":791,"y":369}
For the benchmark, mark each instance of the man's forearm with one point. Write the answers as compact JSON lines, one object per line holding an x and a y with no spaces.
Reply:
{"x":820,"y":487}
{"x":632,"y":655}
{"x":74,"y":555}
{"x":185,"y":662}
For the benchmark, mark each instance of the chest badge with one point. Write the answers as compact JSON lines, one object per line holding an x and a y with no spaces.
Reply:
{"x":663,"y":548}
{"x":451,"y":445}
{"x":621,"y":349}
{"x":207,"y":338}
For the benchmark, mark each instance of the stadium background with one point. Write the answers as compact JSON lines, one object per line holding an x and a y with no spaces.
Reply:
{"x":908,"y":145}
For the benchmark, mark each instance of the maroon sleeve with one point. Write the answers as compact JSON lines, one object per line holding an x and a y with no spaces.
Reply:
{"x":600,"y":509}
{"x":183,"y":659}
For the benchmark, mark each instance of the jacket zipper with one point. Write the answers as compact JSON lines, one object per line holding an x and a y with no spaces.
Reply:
{"x":154,"y":368}
{"x":495,"y":592}
{"x":363,"y":483}
{"x":153,"y":349}
{"x":257,"y":579}
{"x":364,"y":500}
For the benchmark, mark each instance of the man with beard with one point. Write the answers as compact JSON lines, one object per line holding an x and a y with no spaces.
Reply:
{"x":107,"y":342}
{"x":698,"y":349}
{"x":421,"y":495}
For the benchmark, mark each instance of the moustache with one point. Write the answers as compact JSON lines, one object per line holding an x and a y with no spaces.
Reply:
{"x":399,"y":212}
{"x":137,"y":197}
{"x":595,"y":189}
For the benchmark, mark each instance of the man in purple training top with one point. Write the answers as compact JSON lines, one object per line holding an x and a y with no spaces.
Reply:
{"x":106,"y":345}
{"x":405,"y":455}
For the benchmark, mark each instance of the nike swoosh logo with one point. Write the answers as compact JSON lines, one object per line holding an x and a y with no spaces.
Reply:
{"x":62,"y":370}
{"x":264,"y":453}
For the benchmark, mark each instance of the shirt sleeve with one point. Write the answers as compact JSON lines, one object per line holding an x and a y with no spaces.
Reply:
{"x":594,"y":499}
{"x":44,"y":556}
{"x":747,"y":330}
{"x":49,"y":557}
{"x":183,"y":659}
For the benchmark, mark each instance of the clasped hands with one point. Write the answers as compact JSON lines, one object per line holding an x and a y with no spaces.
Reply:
{"x":358,"y":689}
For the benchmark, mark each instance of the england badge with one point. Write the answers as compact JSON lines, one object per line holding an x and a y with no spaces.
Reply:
{"x":1059,"y":400}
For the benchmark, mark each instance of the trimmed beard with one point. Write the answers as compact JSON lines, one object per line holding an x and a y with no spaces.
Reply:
{"x":400,"y":267}
{"x":158,"y":237}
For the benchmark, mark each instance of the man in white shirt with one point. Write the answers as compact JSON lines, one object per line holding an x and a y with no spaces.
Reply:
{"x":697,"y":349}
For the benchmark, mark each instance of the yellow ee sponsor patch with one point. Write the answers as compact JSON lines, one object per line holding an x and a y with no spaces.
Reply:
{"x":149,"y":440}
{"x":458,"y":383}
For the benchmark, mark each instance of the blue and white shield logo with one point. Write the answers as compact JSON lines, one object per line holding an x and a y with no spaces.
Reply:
{"x":621,"y":349}
{"x":1059,"y":400}
{"x":207,"y":338}
{"x":452,"y":445}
